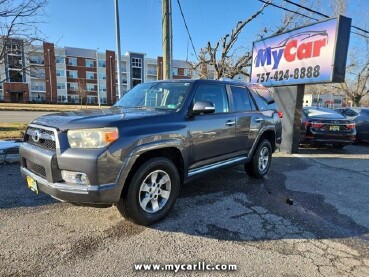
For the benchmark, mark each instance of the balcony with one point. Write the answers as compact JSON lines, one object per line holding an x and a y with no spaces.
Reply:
{"x":38,"y":88}
{"x":36,"y":61}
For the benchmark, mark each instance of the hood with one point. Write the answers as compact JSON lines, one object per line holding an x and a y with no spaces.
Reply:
{"x":93,"y":118}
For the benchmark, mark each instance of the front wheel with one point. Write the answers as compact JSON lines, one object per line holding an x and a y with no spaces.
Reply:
{"x":152,"y":192}
{"x":259,"y":165}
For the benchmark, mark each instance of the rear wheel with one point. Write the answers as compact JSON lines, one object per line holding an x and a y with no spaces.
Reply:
{"x":259,"y":165}
{"x":152,"y":192}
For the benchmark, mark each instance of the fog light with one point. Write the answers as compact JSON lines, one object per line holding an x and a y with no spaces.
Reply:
{"x":78,"y":178}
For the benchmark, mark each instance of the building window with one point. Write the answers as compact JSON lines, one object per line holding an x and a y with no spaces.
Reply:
{"x":73,"y":86}
{"x":103,"y":88}
{"x":136,"y":62}
{"x":337,"y":101}
{"x":59,"y":59}
{"x":36,"y":60}
{"x":60,"y":85}
{"x":103,"y":100}
{"x":90,"y":75}
{"x":186,"y":72}
{"x":91,"y":99}
{"x":90,"y":63}
{"x":38,"y":86}
{"x":62,"y":99}
{"x":90,"y":87}
{"x":72,"y":61}
{"x":102,"y":63}
{"x":175,"y":71}
{"x":60,"y":73}
{"x":73,"y":99}
{"x":36,"y":73}
{"x":102,"y":76}
{"x":72,"y":74}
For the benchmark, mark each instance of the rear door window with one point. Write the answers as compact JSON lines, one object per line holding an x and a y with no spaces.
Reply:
{"x":241,"y":99}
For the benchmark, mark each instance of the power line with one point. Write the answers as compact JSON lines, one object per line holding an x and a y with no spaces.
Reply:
{"x":288,"y":10}
{"x":188,"y":32}
{"x":322,"y":14}
{"x":305,"y":8}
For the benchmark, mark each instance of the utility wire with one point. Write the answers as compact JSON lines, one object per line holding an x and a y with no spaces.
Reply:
{"x":288,"y":10}
{"x":188,"y":32}
{"x":283,"y":8}
{"x":322,"y":14}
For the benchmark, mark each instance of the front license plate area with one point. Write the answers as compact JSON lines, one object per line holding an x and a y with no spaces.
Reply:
{"x":32,"y":184}
{"x":334,"y":128}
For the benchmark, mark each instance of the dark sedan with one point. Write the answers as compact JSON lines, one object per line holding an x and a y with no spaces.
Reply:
{"x":325,"y":126}
{"x":361,"y":117}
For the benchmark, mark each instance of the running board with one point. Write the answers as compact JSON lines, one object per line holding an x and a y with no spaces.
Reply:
{"x":199,"y":170}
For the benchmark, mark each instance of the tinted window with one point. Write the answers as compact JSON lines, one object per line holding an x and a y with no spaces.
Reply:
{"x":216,"y":94}
{"x":350,"y":113}
{"x":241,"y":99}
{"x":365,"y":112}
{"x":260,"y":102}
{"x":322,"y":113}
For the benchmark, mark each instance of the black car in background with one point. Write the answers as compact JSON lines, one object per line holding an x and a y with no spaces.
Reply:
{"x":325,"y":126}
{"x":361,"y":118}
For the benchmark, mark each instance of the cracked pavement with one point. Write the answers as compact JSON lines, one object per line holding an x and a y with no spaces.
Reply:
{"x":308,"y":217}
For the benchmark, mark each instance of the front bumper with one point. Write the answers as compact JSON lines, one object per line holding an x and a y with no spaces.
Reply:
{"x":43,"y":166}
{"x":102,"y":194}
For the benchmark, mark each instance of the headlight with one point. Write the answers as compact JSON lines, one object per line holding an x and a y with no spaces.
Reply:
{"x":92,"y":138}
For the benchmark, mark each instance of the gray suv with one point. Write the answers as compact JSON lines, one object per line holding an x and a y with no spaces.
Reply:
{"x":157,"y":137}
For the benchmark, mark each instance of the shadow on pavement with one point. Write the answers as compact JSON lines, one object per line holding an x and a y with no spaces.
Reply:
{"x":14,"y":190}
{"x":228,"y":205}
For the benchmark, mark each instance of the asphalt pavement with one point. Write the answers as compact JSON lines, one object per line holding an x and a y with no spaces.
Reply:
{"x":308,"y":217}
{"x":19,"y":116}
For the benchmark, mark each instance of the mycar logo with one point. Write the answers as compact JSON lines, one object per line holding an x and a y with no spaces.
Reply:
{"x":292,"y":48}
{"x":311,"y":54}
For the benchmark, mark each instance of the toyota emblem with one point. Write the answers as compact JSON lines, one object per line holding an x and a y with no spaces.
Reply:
{"x":36,"y":136}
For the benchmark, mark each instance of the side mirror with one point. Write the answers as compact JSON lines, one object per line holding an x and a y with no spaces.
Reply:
{"x":202,"y":107}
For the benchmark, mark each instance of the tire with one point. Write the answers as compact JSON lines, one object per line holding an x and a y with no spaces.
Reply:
{"x":338,"y":145}
{"x":261,"y":160}
{"x":151,"y":193}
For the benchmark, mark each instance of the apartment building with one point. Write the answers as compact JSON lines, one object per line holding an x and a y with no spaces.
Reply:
{"x":49,"y":74}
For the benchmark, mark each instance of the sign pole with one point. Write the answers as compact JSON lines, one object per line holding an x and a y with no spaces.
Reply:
{"x":290,"y":100}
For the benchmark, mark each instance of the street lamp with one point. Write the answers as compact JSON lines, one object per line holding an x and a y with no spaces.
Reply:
{"x":111,"y":80}
{"x":98,"y":78}
{"x":51,"y":84}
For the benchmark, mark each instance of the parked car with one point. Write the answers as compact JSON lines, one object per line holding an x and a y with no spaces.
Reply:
{"x":157,"y":137}
{"x":361,"y":118}
{"x":325,"y":126}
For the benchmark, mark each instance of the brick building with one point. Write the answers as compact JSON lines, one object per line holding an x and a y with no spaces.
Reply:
{"x":49,"y":74}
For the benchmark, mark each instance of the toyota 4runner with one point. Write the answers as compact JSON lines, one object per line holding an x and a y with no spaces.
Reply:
{"x":157,"y":137}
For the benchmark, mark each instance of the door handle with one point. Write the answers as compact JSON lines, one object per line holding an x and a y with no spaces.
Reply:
{"x":259,"y":119}
{"x":230,"y":123}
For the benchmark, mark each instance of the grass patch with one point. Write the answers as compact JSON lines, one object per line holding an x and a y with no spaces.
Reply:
{"x":12,"y":130}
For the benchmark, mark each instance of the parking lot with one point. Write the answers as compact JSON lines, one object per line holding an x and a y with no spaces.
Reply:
{"x":308,"y":217}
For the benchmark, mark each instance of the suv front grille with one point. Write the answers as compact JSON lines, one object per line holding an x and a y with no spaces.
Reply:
{"x":36,"y":168}
{"x":40,"y":137}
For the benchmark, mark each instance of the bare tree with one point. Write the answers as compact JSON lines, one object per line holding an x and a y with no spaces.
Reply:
{"x":231,"y":61}
{"x":20,"y":19}
{"x":82,"y":90}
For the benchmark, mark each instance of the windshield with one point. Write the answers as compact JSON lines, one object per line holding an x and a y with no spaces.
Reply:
{"x":163,"y":95}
